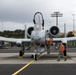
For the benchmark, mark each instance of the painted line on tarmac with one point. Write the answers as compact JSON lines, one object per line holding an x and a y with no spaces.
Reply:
{"x":41,"y":55}
{"x":25,"y":66}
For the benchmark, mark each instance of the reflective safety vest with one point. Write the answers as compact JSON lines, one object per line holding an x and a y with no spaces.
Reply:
{"x":50,"y":41}
{"x":62,"y":48}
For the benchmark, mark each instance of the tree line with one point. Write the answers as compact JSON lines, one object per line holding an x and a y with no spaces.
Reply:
{"x":13,"y":34}
{"x":21,"y":34}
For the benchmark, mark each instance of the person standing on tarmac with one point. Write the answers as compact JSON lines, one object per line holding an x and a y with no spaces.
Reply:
{"x":62,"y":51}
{"x":50,"y":41}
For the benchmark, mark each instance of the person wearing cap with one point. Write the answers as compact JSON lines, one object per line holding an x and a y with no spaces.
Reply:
{"x":61,"y":52}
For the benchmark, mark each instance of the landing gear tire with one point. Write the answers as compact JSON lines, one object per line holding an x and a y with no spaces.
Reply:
{"x":21,"y":53}
{"x":32,"y":56}
{"x":36,"y":57}
{"x":48,"y":52}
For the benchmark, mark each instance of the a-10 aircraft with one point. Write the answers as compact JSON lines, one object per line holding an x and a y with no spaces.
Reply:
{"x":39,"y":37}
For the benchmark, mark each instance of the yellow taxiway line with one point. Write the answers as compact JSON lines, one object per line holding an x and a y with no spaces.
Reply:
{"x":27,"y":65}
{"x":23,"y":67}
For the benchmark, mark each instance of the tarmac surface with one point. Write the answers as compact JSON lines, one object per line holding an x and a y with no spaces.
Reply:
{"x":10,"y":64}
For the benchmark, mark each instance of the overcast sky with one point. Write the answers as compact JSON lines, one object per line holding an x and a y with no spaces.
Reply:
{"x":16,"y":13}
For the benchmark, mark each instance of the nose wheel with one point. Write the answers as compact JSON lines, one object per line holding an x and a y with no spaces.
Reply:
{"x":21,"y":53}
{"x":34,"y":56}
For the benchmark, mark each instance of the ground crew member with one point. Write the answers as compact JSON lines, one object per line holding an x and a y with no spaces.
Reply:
{"x":48,"y":44}
{"x":64,"y":52}
{"x":50,"y":41}
{"x":61,"y":52}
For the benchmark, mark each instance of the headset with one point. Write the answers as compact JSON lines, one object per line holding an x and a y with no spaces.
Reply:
{"x":41,"y":16}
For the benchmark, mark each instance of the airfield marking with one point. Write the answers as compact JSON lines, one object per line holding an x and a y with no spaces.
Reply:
{"x":25,"y":66}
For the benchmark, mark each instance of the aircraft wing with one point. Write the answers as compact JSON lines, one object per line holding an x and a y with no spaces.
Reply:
{"x":64,"y":40}
{"x":15,"y":40}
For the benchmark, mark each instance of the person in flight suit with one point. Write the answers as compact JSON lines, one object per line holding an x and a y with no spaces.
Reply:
{"x":62,"y":51}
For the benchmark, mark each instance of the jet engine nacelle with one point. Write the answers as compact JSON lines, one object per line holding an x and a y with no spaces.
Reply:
{"x":18,"y":43}
{"x":54,"y":31}
{"x":29,"y":30}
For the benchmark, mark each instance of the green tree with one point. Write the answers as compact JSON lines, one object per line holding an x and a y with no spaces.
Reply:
{"x":70,"y":34}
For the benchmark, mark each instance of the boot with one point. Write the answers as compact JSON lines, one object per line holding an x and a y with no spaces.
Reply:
{"x":58,"y":60}
{"x":65,"y":58}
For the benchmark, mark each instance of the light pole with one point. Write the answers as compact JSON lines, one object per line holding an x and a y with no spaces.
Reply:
{"x":2,"y":26}
{"x":73,"y":26}
{"x":73,"y":21}
{"x":57,"y":14}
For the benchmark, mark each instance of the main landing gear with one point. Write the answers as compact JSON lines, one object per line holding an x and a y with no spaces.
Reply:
{"x":21,"y":53}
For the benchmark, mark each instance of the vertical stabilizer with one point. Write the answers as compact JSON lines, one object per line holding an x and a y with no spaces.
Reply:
{"x":64,"y":30}
{"x":25,"y":32}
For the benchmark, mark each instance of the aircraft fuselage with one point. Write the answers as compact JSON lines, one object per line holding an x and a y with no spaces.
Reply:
{"x":38,"y":36}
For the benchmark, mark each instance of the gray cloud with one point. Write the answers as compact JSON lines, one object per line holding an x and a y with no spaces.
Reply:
{"x":22,"y":11}
{"x":18,"y":10}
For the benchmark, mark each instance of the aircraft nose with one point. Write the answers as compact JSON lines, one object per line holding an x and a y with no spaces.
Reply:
{"x":37,"y":39}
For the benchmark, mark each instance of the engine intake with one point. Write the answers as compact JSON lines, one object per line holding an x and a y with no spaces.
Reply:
{"x":29,"y":30}
{"x":54,"y":31}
